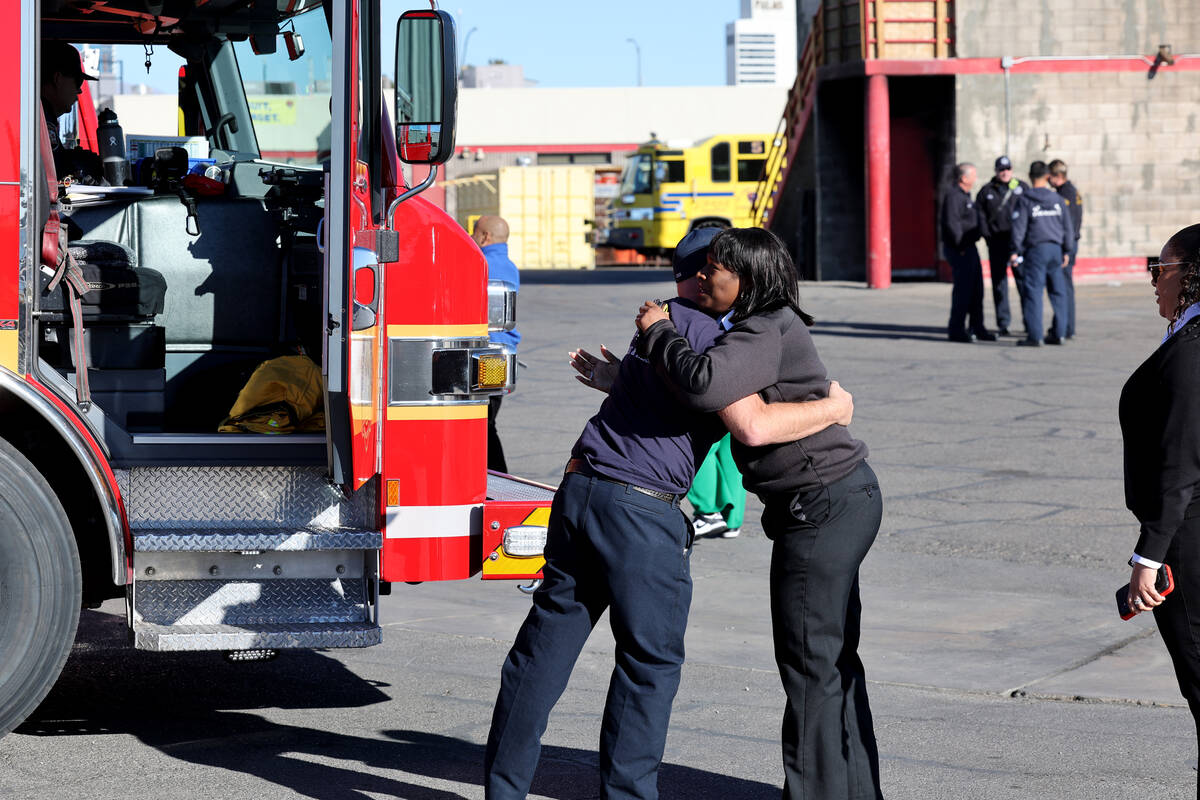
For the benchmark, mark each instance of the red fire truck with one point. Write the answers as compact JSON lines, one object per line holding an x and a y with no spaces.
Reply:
{"x":121,"y":485}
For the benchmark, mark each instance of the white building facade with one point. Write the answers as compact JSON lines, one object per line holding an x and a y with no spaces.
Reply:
{"x":760,"y":48}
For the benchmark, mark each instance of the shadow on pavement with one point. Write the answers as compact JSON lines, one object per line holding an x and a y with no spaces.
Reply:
{"x":195,"y":707}
{"x":879,"y":330}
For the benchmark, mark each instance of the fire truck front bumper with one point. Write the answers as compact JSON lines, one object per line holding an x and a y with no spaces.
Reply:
{"x":626,"y":237}
{"x":516,"y":517}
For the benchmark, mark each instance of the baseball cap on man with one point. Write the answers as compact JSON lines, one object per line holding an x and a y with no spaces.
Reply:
{"x":62,"y":57}
{"x":692,"y":253}
{"x":1002,"y":163}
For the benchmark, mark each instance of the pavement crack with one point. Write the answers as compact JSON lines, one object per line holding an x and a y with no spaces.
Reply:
{"x":1112,"y":648}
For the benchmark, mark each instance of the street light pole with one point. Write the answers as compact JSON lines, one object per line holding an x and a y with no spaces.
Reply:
{"x":638,"y":52}
{"x":466,"y":44}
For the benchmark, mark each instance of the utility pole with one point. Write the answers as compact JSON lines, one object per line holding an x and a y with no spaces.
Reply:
{"x":466,"y":44}
{"x":638,"y":52}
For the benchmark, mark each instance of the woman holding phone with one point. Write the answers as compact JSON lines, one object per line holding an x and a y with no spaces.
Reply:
{"x":1160,"y":426}
{"x":822,"y":504}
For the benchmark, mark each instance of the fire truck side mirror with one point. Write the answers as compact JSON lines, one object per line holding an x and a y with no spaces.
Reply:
{"x":426,"y":87}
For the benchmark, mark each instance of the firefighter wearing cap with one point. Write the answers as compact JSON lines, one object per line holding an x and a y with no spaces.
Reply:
{"x":62,"y":81}
{"x":997,"y":202}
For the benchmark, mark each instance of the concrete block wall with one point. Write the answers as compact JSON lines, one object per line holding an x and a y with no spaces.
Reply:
{"x":1074,"y":27}
{"x":1129,"y":144}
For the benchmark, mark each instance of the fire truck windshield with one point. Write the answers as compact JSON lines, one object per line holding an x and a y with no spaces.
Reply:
{"x":636,"y":177}
{"x":289,"y":100}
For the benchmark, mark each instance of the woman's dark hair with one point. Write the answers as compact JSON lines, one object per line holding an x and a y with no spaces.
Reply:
{"x":763,"y":266}
{"x":1187,"y":243}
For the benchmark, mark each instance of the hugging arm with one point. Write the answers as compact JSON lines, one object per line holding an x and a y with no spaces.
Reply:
{"x":742,"y":362}
{"x":755,"y":423}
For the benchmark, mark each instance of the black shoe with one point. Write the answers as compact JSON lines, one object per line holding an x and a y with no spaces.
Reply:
{"x":1053,"y":340}
{"x":1003,"y":332}
{"x":985,"y":336}
{"x":966,"y":338}
{"x":1029,"y":343}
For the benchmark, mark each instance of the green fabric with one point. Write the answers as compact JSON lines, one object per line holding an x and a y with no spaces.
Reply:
{"x":717,"y":486}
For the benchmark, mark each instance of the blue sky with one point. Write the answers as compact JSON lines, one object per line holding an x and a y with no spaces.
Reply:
{"x":584,"y":44}
{"x":559,"y":44}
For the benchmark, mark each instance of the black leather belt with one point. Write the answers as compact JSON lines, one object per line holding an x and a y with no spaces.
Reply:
{"x":580,"y":466}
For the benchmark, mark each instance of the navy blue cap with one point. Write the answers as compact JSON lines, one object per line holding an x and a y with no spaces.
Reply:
{"x":1002,"y":163}
{"x":692,"y":252}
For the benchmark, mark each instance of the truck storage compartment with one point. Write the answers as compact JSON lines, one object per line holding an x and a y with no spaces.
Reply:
{"x":131,"y":345}
{"x":132,"y":398}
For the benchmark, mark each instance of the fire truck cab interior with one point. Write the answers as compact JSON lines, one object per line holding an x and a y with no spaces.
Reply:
{"x":205,"y":288}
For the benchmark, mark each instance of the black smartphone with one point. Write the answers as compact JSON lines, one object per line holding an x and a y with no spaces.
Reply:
{"x":1164,"y":584}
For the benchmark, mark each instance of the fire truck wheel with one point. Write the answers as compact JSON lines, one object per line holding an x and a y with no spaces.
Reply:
{"x":40,"y":588}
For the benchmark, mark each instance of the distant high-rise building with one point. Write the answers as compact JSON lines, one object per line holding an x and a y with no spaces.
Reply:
{"x":760,"y":48}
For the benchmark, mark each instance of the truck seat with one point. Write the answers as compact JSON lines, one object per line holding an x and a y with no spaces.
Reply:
{"x":222,"y":311}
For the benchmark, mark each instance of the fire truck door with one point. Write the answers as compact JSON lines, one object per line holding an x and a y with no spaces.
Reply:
{"x":353,"y":279}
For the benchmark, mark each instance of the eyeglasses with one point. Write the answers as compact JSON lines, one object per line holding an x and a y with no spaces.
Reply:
{"x":1159,"y":268}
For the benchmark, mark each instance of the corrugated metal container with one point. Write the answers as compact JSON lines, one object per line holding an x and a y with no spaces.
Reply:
{"x":546,"y":209}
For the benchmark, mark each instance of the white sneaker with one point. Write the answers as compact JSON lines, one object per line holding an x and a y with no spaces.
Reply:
{"x":709,"y":524}
{"x":730,"y":533}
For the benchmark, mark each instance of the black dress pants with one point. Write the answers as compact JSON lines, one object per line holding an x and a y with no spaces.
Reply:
{"x":820,"y":539}
{"x":1178,"y":618}
{"x":966,"y":296}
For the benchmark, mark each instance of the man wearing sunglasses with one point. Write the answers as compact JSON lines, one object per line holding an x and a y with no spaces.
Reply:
{"x":1043,"y":240}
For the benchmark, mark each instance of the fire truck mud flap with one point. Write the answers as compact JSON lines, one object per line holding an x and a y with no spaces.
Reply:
{"x":515,"y":517}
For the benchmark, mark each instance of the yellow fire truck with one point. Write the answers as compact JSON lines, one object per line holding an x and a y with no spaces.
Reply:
{"x":666,"y":190}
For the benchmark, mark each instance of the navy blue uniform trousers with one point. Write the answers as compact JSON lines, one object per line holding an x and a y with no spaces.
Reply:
{"x":609,"y":547}
{"x":1042,"y":270}
{"x":999,"y":248}
{"x":1069,"y":286}
{"x":820,"y":539}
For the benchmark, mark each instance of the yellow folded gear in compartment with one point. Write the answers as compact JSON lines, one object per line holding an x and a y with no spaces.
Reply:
{"x":284,"y":395}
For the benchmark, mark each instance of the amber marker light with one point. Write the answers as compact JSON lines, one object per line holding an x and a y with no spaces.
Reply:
{"x":491,"y":372}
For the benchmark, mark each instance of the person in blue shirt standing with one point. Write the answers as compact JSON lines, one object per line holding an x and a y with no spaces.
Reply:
{"x":491,"y":234}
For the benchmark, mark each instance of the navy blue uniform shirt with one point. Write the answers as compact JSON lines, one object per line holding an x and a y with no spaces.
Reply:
{"x":1042,"y":218}
{"x":642,"y":434}
{"x":1074,"y":201}
{"x":997,"y":204}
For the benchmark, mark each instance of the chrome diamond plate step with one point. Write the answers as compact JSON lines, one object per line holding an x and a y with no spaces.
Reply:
{"x":221,"y":540}
{"x":240,"y":498}
{"x":249,"y":602}
{"x":503,"y":487}
{"x":249,"y":637}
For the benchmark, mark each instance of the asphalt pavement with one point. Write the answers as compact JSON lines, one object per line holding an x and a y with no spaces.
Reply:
{"x":998,"y":665}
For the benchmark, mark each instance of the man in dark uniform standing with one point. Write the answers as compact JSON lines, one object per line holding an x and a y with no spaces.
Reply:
{"x":1043,"y":238}
{"x":997,"y":201}
{"x":960,"y":232}
{"x":1074,"y":201}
